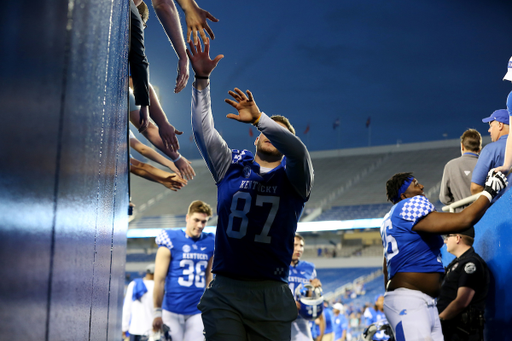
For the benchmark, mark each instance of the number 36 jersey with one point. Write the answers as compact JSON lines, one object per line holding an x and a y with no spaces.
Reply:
{"x":258,"y":215}
{"x":185,"y":280}
{"x":406,"y":250}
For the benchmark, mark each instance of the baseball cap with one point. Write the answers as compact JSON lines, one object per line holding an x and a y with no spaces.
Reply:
{"x":500,"y":115}
{"x":150,"y":269}
{"x":470,"y":232}
{"x":337,"y":306}
{"x":508,"y":75}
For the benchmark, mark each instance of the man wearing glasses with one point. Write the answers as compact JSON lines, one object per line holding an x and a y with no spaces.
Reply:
{"x":461,"y":302}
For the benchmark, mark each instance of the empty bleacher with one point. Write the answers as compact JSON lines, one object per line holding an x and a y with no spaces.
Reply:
{"x":334,"y":278}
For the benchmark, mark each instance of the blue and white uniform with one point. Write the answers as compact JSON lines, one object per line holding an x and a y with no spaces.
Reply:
{"x":185,"y":281}
{"x":411,"y":312}
{"x":258,"y":210}
{"x":301,"y":273}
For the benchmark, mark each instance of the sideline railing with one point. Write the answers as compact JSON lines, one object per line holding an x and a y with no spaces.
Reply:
{"x":461,"y":202}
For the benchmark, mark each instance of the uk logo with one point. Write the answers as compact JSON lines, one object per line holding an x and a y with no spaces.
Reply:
{"x":186,"y":248}
{"x":247,"y":171}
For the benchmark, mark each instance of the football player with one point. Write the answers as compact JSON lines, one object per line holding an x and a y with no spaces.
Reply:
{"x":183,"y":268}
{"x":302,"y":272}
{"x":411,"y":236}
{"x":260,"y":199}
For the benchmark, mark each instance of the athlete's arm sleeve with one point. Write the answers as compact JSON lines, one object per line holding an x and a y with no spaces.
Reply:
{"x":482,"y":167}
{"x":212,"y":146}
{"x":299,"y":167}
{"x":139,"y":64}
{"x":127,"y":307}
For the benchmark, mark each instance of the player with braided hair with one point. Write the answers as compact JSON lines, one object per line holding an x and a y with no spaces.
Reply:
{"x":411,"y":236}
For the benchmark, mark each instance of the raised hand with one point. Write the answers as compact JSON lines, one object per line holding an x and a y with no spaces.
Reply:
{"x":248,"y":111}
{"x":200,"y":60}
{"x":174,"y":182}
{"x":196,"y":22}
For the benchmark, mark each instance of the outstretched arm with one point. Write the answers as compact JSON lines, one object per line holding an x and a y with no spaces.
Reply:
{"x":196,"y":20}
{"x":507,"y":164}
{"x":165,"y":129}
{"x":212,"y":147}
{"x":181,"y":165}
{"x":150,"y":153}
{"x":148,"y":172}
{"x":167,"y":13}
{"x":444,"y":223}
{"x":299,"y":166}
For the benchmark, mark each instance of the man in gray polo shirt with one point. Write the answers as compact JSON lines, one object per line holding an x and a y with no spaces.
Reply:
{"x":456,"y":183}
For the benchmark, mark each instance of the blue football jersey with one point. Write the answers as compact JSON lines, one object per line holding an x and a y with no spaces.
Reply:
{"x":302,"y":272}
{"x":185,"y":281}
{"x":257,"y":219}
{"x":406,"y":250}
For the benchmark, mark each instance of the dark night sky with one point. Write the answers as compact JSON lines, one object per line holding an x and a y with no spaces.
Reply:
{"x":422,"y":70}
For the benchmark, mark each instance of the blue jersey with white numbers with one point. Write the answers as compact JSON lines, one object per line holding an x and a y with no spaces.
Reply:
{"x":301,"y":272}
{"x":185,"y":281}
{"x":406,"y":250}
{"x":258,"y":215}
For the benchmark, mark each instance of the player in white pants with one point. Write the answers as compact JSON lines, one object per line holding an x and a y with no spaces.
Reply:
{"x":411,"y":236}
{"x":184,"y":327}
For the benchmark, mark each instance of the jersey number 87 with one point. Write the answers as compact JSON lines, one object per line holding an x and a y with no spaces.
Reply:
{"x":263,"y":237}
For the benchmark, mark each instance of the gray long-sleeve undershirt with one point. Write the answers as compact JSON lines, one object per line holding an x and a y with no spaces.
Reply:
{"x":217,"y":154}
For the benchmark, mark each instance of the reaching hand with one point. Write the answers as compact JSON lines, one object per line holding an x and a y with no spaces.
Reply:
{"x":196,"y":22}
{"x":495,"y":182}
{"x":183,"y":75}
{"x":200,"y":60}
{"x":174,"y":182}
{"x":186,"y":170}
{"x":248,"y":111}
{"x":502,"y":169}
{"x":168,"y":135}
{"x":143,"y":118}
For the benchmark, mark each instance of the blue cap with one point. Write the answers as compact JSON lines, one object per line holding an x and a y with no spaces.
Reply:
{"x":499,"y":115}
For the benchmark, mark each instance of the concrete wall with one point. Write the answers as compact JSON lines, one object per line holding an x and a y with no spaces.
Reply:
{"x":63,"y":169}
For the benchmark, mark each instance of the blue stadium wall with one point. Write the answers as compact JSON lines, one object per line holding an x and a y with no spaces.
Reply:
{"x":494,"y":243}
{"x":63,"y":168}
